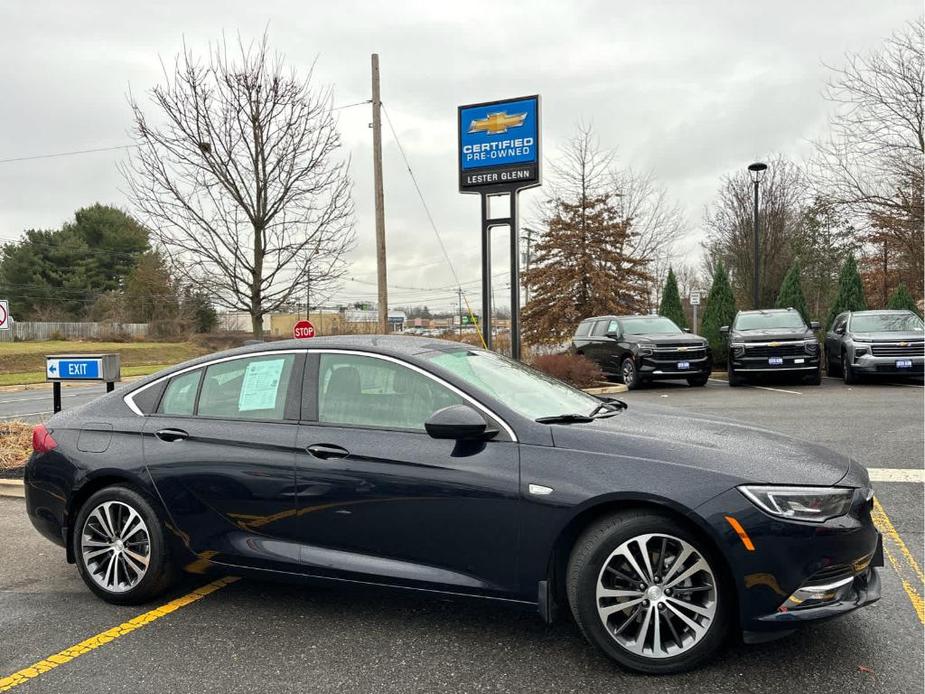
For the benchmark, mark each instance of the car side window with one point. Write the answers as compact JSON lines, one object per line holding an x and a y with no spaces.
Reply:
{"x":584,"y":328}
{"x":599,"y":329}
{"x":613,"y":327}
{"x":250,"y":388}
{"x":180,"y":396}
{"x":365,"y":391}
{"x":840,"y":321}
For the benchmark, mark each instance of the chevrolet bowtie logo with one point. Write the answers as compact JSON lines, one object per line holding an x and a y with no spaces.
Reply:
{"x":682,"y":349}
{"x":497,"y":123}
{"x":774,"y":344}
{"x":903,"y":344}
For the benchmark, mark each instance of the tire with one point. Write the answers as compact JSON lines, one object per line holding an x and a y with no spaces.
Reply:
{"x":734,"y":379}
{"x":698,"y":381}
{"x":598,"y":563}
{"x":847,"y":373}
{"x":115,"y":570}
{"x":629,"y":374}
{"x":815,"y":379}
{"x":832,"y":366}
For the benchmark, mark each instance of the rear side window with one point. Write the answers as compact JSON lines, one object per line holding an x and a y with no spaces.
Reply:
{"x":180,"y":397}
{"x":600,"y":328}
{"x":584,"y":329}
{"x":254,"y":388}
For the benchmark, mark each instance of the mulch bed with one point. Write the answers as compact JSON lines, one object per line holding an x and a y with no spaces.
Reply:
{"x":15,"y":447}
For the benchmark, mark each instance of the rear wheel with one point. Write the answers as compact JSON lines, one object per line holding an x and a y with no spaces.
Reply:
{"x":700,"y":380}
{"x":648,"y":593}
{"x":629,"y":374}
{"x":120,"y":548}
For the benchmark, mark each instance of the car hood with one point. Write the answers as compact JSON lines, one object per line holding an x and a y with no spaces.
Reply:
{"x":663,"y":339}
{"x":750,"y":454}
{"x":895,"y":336}
{"x":766,"y":335}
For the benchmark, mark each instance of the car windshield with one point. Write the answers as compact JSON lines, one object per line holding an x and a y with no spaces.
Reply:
{"x":769,"y":321}
{"x":526,"y":391}
{"x":885,"y":323}
{"x":656,"y":325}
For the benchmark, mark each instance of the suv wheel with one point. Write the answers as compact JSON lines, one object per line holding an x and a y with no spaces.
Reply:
{"x":120,"y":547}
{"x":815,"y":379}
{"x":699,"y":380}
{"x":629,"y":373}
{"x":648,"y":593}
{"x":847,"y":371}
{"x":734,"y":379}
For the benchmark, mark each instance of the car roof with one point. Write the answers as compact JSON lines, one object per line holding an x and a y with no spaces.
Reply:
{"x":400,"y":346}
{"x":880,"y":311}
{"x":767,"y":310}
{"x":612,"y":317}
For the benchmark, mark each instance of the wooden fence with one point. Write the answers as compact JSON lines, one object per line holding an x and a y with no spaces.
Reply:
{"x":73,"y":331}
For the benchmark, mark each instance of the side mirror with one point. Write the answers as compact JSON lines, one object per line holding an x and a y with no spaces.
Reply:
{"x":814,"y":325}
{"x":724,"y":330}
{"x":458,"y":422}
{"x":687,"y":330}
{"x":840,"y":330}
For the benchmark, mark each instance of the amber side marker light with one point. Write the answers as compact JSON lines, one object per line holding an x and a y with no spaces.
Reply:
{"x":740,"y":531}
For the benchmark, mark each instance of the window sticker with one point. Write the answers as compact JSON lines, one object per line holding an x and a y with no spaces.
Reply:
{"x":261,"y":383}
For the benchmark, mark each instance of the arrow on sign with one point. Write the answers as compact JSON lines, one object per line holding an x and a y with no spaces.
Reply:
{"x":52,"y":368}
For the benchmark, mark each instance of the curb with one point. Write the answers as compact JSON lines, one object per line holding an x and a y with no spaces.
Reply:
{"x":14,"y":488}
{"x":606,"y":390}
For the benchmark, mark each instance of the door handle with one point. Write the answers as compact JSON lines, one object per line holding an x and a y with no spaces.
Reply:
{"x":170,"y":435}
{"x":326,"y":451}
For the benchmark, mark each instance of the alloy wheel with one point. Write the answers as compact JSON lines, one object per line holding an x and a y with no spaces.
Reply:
{"x":656,"y":596}
{"x":115,"y":546}
{"x":629,"y":372}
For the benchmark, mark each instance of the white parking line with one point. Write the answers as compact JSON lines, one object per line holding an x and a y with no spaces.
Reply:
{"x":777,"y":390}
{"x":885,"y":474}
{"x":19,"y":415}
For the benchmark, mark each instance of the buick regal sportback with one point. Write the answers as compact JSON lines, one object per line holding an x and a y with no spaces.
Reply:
{"x":431,"y":466}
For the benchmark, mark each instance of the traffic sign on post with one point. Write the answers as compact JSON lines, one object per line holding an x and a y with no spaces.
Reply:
{"x":303,"y":330}
{"x":695,"y":297}
{"x":61,"y":368}
{"x":4,"y":314}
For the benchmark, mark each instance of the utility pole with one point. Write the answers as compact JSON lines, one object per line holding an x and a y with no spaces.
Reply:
{"x":380,"y":200}
{"x":528,"y":260}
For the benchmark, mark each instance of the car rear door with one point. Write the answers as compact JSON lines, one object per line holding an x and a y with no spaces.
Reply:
{"x":221,"y":452}
{"x":379,"y":499}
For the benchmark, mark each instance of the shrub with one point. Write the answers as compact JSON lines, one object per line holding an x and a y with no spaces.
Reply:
{"x":15,"y":444}
{"x":574,"y":369}
{"x":850,"y":296}
{"x":901,"y":299}
{"x":720,"y":311}
{"x":671,"y":306}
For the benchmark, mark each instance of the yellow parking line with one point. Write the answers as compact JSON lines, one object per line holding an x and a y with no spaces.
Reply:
{"x":901,"y":559}
{"x":94,"y":642}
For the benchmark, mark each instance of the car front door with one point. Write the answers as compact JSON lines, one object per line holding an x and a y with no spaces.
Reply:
{"x":221,"y":452}
{"x":379,"y":499}
{"x":834,"y":337}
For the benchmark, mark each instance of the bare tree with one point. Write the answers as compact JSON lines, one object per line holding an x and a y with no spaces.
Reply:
{"x":238,"y":177}
{"x":731,"y":228}
{"x":871,"y":161}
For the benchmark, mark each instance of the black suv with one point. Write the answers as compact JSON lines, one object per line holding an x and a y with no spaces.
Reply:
{"x":643,"y":348}
{"x":772,"y":341}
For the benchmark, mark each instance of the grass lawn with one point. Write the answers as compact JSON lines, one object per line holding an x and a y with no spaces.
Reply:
{"x":24,"y":362}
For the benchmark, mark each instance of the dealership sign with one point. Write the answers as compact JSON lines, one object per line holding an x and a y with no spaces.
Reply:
{"x":499,"y":145}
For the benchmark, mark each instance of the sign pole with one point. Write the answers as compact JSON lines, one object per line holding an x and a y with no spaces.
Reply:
{"x":486,"y":273}
{"x":56,"y":396}
{"x":515,"y":280}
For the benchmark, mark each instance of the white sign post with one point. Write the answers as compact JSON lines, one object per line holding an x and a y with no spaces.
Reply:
{"x":695,"y":302}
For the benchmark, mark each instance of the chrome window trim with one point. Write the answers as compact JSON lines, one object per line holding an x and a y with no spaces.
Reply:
{"x":130,"y":403}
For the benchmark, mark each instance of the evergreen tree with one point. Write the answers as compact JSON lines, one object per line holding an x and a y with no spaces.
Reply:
{"x":720,"y":311}
{"x":671,"y":306}
{"x":850,"y":296}
{"x":902,"y":299}
{"x":791,"y":292}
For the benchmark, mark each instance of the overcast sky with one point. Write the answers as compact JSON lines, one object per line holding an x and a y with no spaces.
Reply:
{"x":688,"y":90}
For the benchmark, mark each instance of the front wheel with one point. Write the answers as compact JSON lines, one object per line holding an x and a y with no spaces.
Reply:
{"x":847,"y":372}
{"x":698,"y":381}
{"x":648,"y":593}
{"x":733,"y":378}
{"x":629,"y":373}
{"x":120,"y":547}
{"x":815,"y":379}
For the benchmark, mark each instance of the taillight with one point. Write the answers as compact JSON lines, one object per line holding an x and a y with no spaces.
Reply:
{"x":42,"y":442}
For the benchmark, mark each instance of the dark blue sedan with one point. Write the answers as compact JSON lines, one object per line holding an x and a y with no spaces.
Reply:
{"x":431,"y":466}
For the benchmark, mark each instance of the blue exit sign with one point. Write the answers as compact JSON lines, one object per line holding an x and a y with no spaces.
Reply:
{"x":73,"y":369}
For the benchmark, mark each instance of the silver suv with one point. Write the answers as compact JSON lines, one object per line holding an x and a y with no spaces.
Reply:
{"x":883,"y":343}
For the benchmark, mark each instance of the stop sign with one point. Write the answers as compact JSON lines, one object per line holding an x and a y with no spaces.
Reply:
{"x":303,"y":329}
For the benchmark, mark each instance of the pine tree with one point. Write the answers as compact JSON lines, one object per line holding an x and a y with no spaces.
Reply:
{"x":791,"y":292}
{"x":901,"y":299}
{"x":671,"y":306}
{"x":582,"y":268}
{"x":720,"y":311}
{"x":850,"y":296}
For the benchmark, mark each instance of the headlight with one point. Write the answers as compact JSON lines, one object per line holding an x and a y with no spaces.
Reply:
{"x":860,"y":349}
{"x":738,"y":348}
{"x":645,"y":349}
{"x":811,"y":346}
{"x":810,"y":504}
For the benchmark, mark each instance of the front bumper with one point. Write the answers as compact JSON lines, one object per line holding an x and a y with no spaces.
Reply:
{"x":797,"y":572}
{"x":886,"y":366}
{"x":796,"y":363}
{"x":665,"y":366}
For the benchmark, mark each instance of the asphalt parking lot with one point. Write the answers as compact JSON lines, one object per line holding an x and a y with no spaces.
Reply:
{"x":250,"y":636}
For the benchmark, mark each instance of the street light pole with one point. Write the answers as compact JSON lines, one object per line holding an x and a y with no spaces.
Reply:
{"x":757,"y":170}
